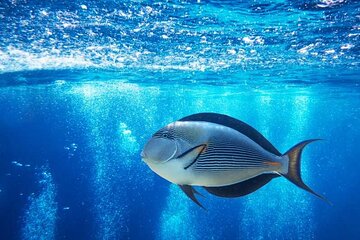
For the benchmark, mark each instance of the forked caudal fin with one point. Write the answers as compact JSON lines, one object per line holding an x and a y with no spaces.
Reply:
{"x":293,"y":173}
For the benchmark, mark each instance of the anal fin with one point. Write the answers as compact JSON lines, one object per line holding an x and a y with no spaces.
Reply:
{"x":242,"y":188}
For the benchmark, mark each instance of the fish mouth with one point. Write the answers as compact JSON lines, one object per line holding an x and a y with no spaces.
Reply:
{"x":143,"y":156}
{"x":146,"y":159}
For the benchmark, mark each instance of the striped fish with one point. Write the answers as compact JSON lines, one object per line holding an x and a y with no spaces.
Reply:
{"x":225,"y":156}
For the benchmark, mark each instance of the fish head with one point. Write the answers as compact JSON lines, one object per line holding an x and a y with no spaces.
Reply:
{"x":161,"y":148}
{"x":170,"y":149}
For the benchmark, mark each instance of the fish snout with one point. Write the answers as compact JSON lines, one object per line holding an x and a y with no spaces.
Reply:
{"x":143,"y":155}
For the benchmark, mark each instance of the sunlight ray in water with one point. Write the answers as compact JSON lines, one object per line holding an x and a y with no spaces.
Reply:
{"x":271,"y":207}
{"x":114,"y":149}
{"x":41,"y":214}
{"x":108,"y":204}
{"x":259,"y":209}
{"x":300,"y":121}
{"x":176,"y":221}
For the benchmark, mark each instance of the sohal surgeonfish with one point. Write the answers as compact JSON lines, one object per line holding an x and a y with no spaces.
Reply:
{"x":225,"y":156}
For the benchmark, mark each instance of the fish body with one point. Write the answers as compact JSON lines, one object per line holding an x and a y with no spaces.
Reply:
{"x":224,"y":155}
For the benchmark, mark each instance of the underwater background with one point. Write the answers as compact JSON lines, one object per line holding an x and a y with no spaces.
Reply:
{"x":84,"y":84}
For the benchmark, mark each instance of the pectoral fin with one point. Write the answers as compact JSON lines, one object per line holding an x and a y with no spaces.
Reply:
{"x":192,"y":155}
{"x":190,"y":192}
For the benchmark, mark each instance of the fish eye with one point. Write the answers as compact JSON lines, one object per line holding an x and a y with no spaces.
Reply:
{"x":164,"y":134}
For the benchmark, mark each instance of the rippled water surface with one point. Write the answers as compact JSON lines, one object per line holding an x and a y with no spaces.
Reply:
{"x":180,"y":35}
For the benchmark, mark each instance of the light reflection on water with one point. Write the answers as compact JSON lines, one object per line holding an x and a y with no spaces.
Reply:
{"x":202,"y":36}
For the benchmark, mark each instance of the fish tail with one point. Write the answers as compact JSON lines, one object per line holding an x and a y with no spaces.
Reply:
{"x":292,"y":173}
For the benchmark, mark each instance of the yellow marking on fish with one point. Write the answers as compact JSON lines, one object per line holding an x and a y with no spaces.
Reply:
{"x":205,"y":147}
{"x":275,"y":164}
{"x":200,"y":149}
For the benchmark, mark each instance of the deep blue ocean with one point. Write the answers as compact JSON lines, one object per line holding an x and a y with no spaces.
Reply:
{"x":84,"y":85}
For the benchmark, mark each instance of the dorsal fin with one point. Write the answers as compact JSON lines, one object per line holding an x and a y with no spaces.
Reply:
{"x":235,"y":124}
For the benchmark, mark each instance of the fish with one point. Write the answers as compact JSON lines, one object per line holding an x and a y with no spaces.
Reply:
{"x":223,"y":155}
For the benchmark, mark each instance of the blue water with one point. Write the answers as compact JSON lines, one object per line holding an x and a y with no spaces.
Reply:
{"x":84,"y":84}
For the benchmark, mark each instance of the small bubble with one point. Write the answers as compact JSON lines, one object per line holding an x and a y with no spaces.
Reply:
{"x":83,"y":7}
{"x":203,"y":39}
{"x":330,"y":51}
{"x":17,"y":163}
{"x":71,"y":149}
{"x":247,"y":40}
{"x":127,"y":132}
{"x":231,"y":51}
{"x":60,"y":82}
{"x":346,"y":46}
{"x":44,"y":13}
{"x":148,"y":9}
